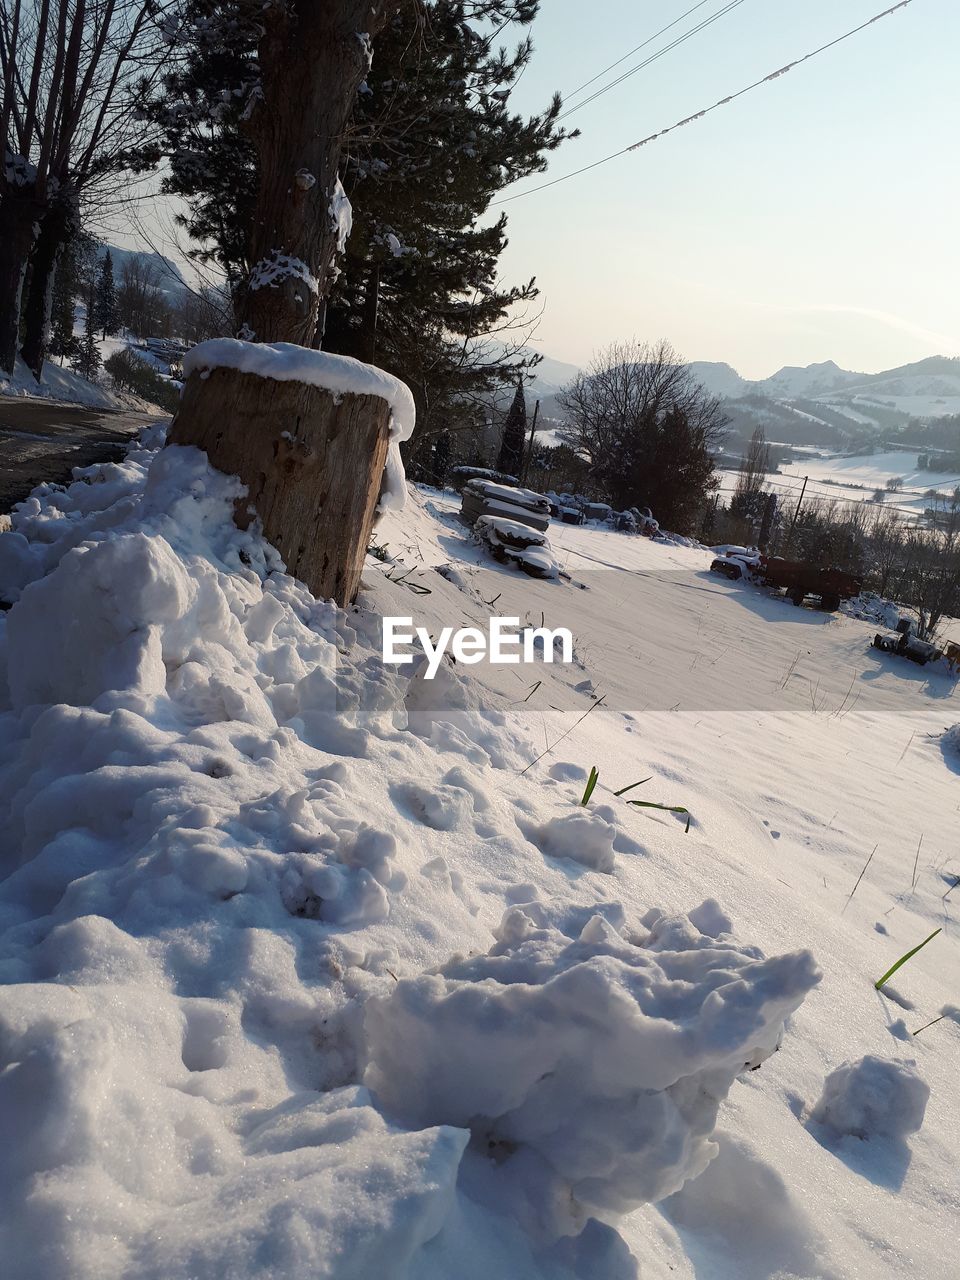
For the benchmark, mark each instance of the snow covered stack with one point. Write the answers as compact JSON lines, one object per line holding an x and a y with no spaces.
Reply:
{"x":513,"y":543}
{"x":590,"y":1064}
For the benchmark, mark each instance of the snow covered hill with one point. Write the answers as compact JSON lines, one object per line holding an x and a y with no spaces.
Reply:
{"x":792,"y":382}
{"x":165,"y":273}
{"x":58,"y":383}
{"x":315,"y":968}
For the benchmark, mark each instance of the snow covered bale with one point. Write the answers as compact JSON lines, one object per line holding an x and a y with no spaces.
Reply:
{"x":314,"y":438}
{"x":483,"y":498}
{"x":590,"y":1065}
{"x":873,"y":1097}
{"x":517,"y":544}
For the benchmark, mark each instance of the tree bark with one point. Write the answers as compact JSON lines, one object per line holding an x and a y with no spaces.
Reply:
{"x":20,"y":212}
{"x":59,"y":225}
{"x":313,"y":57}
{"x":311,"y":461}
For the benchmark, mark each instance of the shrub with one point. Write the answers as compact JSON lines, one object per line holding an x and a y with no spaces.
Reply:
{"x":132,"y":374}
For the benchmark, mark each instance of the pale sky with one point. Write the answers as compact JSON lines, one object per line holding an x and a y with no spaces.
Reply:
{"x":816,"y":218}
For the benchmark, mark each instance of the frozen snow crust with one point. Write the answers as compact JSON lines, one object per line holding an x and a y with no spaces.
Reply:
{"x":302,"y":978}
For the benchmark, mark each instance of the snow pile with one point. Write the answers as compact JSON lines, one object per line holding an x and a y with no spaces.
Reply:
{"x":233,"y":841}
{"x":951,"y":739}
{"x":585,"y":837}
{"x":286,"y":362}
{"x":873,"y":1097}
{"x":590,"y":1064}
{"x":187,"y":861}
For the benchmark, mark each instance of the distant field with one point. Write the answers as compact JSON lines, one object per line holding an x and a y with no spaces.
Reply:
{"x":855,"y":479}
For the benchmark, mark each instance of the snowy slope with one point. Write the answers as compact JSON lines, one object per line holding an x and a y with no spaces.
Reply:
{"x":166,"y":274}
{"x":314,"y":972}
{"x":58,"y":383}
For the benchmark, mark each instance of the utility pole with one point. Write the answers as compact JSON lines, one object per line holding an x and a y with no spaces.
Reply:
{"x":533,"y":427}
{"x":796,"y":513}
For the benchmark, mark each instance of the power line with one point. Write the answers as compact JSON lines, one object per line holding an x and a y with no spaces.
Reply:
{"x":636,"y":49}
{"x":698,"y":115}
{"x":732,"y":4}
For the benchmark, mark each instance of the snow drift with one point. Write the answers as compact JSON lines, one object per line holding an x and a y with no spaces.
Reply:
{"x":238,"y":855}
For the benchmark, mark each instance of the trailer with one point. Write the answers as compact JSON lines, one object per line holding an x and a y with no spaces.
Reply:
{"x":798,"y":579}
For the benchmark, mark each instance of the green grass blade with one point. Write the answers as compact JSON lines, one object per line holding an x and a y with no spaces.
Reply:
{"x":667,"y":808}
{"x":591,"y":783}
{"x":623,"y":790}
{"x":903,"y":959}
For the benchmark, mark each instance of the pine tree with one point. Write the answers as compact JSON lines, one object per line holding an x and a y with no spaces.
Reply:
{"x":64,"y":343}
{"x":105,"y":313}
{"x":432,"y":142}
{"x":510,"y":458}
{"x":87,"y":361}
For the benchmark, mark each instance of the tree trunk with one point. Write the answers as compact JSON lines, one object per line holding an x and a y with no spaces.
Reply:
{"x":59,"y":224}
{"x":311,"y":461}
{"x":313,"y":57}
{"x":20,"y":212}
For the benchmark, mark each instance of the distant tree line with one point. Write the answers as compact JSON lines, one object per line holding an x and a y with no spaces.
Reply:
{"x":915,"y":562}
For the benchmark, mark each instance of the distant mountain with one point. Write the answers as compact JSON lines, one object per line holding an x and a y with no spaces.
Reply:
{"x":792,"y":381}
{"x":550,"y":375}
{"x":719,"y":379}
{"x":168,"y":276}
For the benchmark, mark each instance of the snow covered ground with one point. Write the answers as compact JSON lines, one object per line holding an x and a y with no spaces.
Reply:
{"x":59,"y":383}
{"x":317,"y":969}
{"x":858,"y":477}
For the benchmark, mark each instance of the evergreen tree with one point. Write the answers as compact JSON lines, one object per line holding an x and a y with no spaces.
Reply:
{"x":432,"y":143}
{"x":510,"y":458}
{"x":87,"y":360}
{"x":105,"y":313}
{"x":64,"y":343}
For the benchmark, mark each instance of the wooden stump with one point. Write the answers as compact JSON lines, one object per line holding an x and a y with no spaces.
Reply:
{"x":312,"y":462}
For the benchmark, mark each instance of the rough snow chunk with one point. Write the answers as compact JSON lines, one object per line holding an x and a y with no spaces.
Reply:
{"x":711,"y":919}
{"x":591,"y":1068}
{"x":873,"y":1097}
{"x":94,"y":624}
{"x":584,"y":837}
